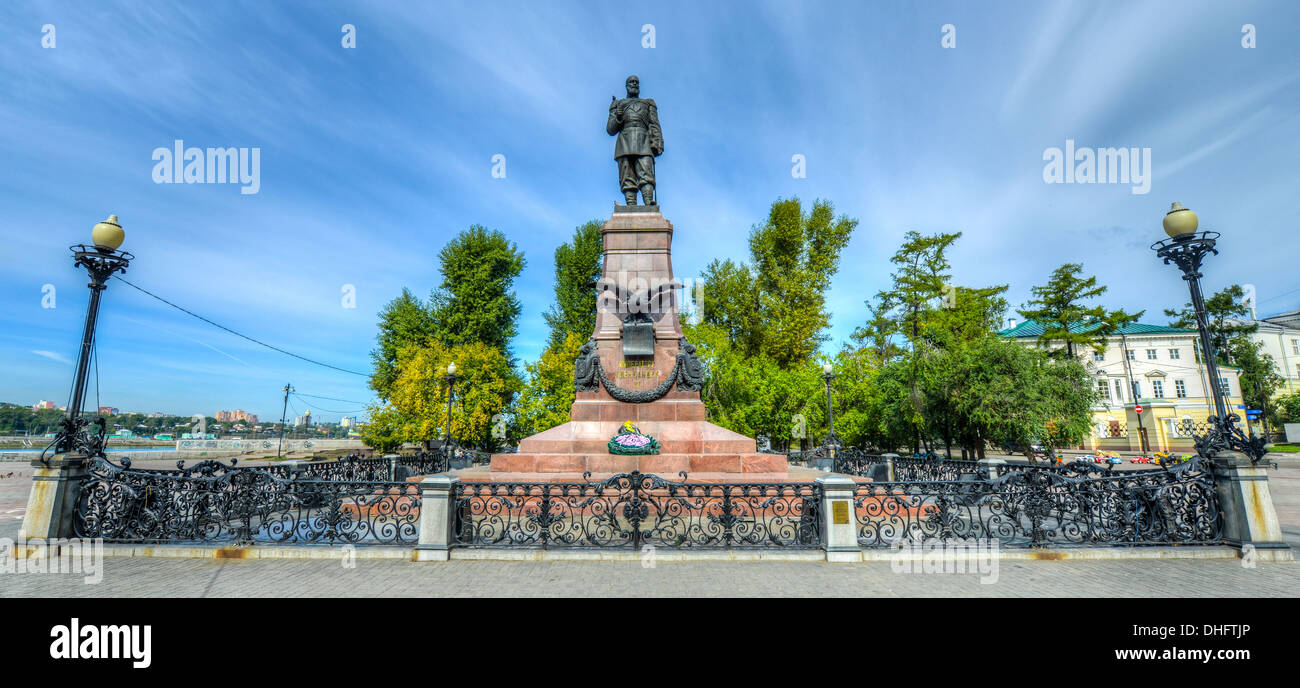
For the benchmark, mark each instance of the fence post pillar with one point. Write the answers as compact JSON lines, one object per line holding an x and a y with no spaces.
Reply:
{"x":889,"y":462}
{"x":839,"y":527}
{"x":994,"y":467}
{"x":1249,"y":519}
{"x":52,"y":503}
{"x":437,"y":504}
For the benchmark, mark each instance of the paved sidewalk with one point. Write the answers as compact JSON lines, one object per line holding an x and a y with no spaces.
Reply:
{"x":325,"y":578}
{"x":136,"y":577}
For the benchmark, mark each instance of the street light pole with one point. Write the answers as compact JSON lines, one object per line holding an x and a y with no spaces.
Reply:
{"x":448,"y":443}
{"x":288,"y":389}
{"x":1187,"y":248}
{"x":57,"y":480}
{"x":832,"y":443}
{"x":101,"y":262}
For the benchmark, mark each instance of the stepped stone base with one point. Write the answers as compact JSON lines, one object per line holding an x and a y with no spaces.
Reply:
{"x":688,"y":443}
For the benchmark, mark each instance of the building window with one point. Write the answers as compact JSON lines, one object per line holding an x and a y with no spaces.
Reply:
{"x":1119,"y":391}
{"x":1180,"y":389}
{"x":1098,"y":356}
{"x":1158,"y":388}
{"x":1132,"y":355}
{"x":1175,"y":354}
{"x":1295,"y":346}
{"x":1103,"y":390}
{"x":1223,"y":386}
{"x":1151,"y":354}
{"x":1137,"y":389}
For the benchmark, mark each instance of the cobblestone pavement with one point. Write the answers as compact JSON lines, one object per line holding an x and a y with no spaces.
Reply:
{"x":328,"y":578}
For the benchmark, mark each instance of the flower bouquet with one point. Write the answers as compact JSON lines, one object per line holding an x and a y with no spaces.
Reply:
{"x":630,"y":440}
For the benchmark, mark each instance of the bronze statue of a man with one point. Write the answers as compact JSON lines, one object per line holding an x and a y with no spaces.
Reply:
{"x":635,"y":121}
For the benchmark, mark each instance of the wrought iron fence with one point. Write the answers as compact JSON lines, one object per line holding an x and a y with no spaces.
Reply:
{"x":875,"y":466}
{"x":218,"y":503}
{"x":1041,"y":506}
{"x":635,"y":509}
{"x":355,"y":468}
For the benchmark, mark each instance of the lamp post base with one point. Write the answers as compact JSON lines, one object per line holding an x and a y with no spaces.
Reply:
{"x":1249,"y":520}
{"x":51,"y":506}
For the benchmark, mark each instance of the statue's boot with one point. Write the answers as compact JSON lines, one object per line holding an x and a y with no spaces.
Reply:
{"x":648,"y":194}
{"x":630,"y":197}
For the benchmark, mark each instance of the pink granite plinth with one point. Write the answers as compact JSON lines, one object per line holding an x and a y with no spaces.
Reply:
{"x":637,"y":256}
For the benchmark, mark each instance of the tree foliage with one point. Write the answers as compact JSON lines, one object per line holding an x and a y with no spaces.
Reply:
{"x":403,"y":322}
{"x":1227,"y":318}
{"x":416,"y":411}
{"x":548,"y":391}
{"x":577,"y":269}
{"x":1059,"y":307}
{"x":775,"y":305}
{"x":475,"y":302}
{"x":763,"y":322}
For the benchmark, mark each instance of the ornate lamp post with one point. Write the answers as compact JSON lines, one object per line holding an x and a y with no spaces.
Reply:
{"x":56,"y":480}
{"x":1186,"y":248}
{"x":832,"y":443}
{"x":101,"y":262}
{"x":449,"y":444}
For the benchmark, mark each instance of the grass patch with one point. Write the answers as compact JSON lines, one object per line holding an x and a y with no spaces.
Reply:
{"x":1286,"y":448}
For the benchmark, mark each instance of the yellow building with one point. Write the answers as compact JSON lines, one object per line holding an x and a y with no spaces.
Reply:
{"x":1155,"y":367}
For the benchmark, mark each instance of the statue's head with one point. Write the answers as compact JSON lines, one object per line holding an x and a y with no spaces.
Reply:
{"x":633,"y":86}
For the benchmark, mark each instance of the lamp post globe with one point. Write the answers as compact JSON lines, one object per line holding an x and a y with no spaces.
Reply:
{"x":1180,"y":222}
{"x":107,"y":235}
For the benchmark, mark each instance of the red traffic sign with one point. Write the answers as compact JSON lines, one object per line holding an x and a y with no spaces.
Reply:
{"x":1137,"y":408}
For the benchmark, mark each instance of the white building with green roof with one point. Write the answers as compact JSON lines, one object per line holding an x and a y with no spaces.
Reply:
{"x":1156,"y":367}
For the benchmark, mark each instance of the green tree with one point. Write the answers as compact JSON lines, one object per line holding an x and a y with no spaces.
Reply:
{"x":775,"y":306}
{"x":763,"y":321}
{"x":920,"y":279}
{"x":1227,"y":318}
{"x":577,"y":269}
{"x":417,"y":409}
{"x":1286,"y":409}
{"x":548,"y":391}
{"x":474,"y":302}
{"x":1059,"y":307}
{"x":404,"y":321}
{"x":1259,"y":378}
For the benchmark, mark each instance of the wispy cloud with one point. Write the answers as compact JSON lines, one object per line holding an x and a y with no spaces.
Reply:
{"x":52,"y":356}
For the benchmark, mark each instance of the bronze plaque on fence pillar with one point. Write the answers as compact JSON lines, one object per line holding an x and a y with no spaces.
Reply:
{"x":840,"y":512}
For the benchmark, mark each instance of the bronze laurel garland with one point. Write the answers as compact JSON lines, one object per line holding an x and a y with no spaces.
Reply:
{"x":687,"y":373}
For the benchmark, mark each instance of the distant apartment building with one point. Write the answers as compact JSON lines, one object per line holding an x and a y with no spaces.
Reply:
{"x":348,"y":421}
{"x":235,"y":416}
{"x":1279,"y":337}
{"x":42,"y":404}
{"x":1155,"y":367}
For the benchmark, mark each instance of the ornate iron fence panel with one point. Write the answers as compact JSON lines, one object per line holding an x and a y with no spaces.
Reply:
{"x":636,"y":509}
{"x":1035,"y":507}
{"x":216,"y":503}
{"x":874,"y":466}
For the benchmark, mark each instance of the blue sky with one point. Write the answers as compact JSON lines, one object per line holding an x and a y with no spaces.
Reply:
{"x":373,"y":157}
